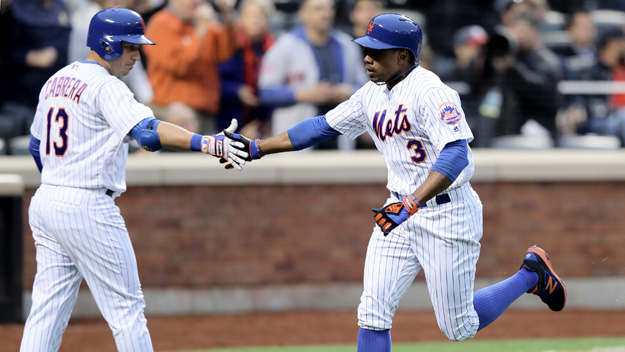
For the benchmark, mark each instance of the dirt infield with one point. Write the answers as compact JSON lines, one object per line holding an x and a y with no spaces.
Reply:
{"x":305,"y":328}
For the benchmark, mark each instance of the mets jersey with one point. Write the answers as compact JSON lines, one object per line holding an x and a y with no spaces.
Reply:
{"x":410,"y":125}
{"x":82,"y":121}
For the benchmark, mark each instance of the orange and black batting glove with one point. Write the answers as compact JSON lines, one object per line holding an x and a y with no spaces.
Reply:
{"x":390,"y":216}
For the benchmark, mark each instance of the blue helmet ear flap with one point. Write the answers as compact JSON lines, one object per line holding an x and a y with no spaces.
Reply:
{"x":111,"y":50}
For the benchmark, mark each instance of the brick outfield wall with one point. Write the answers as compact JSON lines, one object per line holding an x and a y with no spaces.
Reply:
{"x":200,"y":236}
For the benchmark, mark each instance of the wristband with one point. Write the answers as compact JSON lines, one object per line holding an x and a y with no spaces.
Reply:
{"x":196,"y":143}
{"x":255,"y":152}
{"x":411,"y":204}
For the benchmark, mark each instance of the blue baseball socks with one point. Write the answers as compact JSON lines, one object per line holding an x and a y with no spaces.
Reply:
{"x":490,"y":302}
{"x":371,"y":340}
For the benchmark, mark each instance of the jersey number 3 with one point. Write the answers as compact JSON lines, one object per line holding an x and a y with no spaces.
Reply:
{"x":60,"y":145}
{"x":419,"y":153}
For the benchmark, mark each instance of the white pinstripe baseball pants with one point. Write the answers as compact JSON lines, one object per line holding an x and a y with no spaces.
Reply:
{"x":81,"y":233}
{"x":443,"y":240}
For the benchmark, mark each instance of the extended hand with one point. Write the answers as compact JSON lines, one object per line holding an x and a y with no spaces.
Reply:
{"x":229,"y":152}
{"x":394,"y":214}
{"x":249,"y":146}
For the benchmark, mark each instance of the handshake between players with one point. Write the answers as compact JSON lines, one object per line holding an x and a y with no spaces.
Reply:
{"x":241,"y":149}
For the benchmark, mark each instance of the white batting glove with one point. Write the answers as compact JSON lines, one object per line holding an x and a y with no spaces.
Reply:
{"x":220,"y":146}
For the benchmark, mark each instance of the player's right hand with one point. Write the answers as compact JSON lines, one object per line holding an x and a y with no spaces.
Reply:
{"x":390,"y":216}
{"x":229,"y":152}
{"x":249,"y":146}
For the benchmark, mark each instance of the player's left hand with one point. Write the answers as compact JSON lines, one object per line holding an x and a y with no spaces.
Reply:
{"x":250,"y":147}
{"x":390,"y":216}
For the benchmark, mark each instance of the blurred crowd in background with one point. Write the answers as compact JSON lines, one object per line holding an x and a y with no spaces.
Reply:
{"x":531,"y":73}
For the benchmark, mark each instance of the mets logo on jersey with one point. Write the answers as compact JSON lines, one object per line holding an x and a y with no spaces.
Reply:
{"x":449,"y":113}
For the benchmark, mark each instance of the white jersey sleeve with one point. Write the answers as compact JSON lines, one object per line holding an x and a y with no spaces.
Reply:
{"x":119,"y":108}
{"x":444,"y":119}
{"x":349,"y":117}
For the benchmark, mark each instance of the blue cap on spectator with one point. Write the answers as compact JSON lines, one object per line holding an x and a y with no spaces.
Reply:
{"x":475,"y":35}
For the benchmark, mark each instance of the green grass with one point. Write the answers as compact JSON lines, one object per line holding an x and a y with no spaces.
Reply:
{"x":568,"y":345}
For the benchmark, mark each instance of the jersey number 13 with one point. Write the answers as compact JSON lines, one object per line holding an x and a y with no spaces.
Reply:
{"x":60,"y":144}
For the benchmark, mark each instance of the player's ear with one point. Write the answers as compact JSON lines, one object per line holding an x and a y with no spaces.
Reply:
{"x":403,"y":56}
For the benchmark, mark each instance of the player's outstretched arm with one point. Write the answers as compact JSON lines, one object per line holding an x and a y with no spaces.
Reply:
{"x":256,"y":149}
{"x":153,"y":135}
{"x":303,"y":135}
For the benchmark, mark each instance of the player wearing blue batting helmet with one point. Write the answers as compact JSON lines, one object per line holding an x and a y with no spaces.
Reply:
{"x":110,"y":27}
{"x":393,"y":31}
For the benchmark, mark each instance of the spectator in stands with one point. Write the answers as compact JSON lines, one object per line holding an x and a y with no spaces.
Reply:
{"x":523,"y":80}
{"x":182,"y":67}
{"x":6,"y":23}
{"x":445,"y":17}
{"x":311,"y":69}
{"x":468,"y":68}
{"x":511,"y":9}
{"x":576,"y":57}
{"x":82,"y":11}
{"x":361,"y":14}
{"x":6,"y":123}
{"x":38,"y":44}
{"x":183,"y":116}
{"x":581,"y":52}
{"x":239,"y":74}
{"x":603,"y":117}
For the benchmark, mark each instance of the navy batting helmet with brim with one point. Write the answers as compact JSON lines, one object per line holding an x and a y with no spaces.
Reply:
{"x":393,"y":31}
{"x":110,"y":27}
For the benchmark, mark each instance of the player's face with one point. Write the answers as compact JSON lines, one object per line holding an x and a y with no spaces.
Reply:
{"x":122,"y":66}
{"x":382,"y":65}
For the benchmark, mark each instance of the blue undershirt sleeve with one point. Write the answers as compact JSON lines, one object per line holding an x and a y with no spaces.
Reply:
{"x":33,"y":147}
{"x":311,"y":132}
{"x":453,"y":159}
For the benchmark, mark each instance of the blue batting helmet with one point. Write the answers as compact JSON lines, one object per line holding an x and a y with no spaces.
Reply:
{"x":110,"y":27}
{"x":393,"y":31}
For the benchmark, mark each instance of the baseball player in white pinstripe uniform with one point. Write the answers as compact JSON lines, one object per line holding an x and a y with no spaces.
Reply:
{"x":85,"y":118}
{"x":433,"y":216}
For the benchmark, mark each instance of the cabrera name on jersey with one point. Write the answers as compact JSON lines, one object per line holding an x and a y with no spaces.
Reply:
{"x":410,"y":125}
{"x":82,"y":121}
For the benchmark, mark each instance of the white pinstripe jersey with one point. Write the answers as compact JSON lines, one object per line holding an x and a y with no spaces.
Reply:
{"x":82,"y":121}
{"x":410,"y":125}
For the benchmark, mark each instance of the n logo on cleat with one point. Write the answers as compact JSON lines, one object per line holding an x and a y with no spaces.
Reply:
{"x":551,"y":285}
